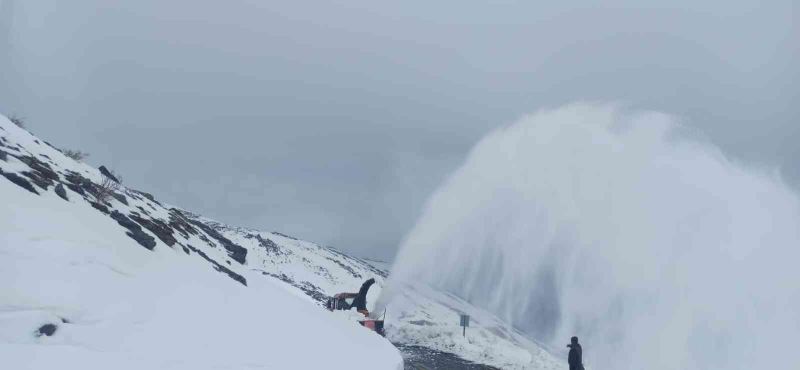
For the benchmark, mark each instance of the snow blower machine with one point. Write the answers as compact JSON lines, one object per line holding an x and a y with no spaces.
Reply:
{"x":347,"y":301}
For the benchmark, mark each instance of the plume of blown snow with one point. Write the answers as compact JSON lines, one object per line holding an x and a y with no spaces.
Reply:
{"x":612,"y":225}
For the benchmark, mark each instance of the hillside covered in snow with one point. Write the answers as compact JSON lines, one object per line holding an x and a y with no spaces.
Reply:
{"x":98,"y":275}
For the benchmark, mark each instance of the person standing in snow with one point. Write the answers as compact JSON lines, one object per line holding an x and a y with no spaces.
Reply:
{"x":360,"y":302}
{"x":575,"y":355}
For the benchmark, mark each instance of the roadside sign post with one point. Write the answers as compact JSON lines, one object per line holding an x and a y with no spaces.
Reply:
{"x":464,"y":324}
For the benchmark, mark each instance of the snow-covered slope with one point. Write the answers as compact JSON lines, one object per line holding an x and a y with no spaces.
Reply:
{"x":117,"y":304}
{"x":143,"y":283}
{"x":415,"y":317}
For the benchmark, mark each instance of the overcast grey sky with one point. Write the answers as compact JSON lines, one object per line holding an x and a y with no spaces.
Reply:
{"x":333,"y":120}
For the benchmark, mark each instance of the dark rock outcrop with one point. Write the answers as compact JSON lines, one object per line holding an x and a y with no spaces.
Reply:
{"x":345,"y":257}
{"x":217,"y":266}
{"x":345,"y":267}
{"x":100,"y":207}
{"x":46,"y":329}
{"x":121,"y":198}
{"x":78,"y":183}
{"x":134,"y":230}
{"x":149,"y":196}
{"x":309,"y":289}
{"x":61,"y":192}
{"x":268,"y":245}
{"x":237,"y":252}
{"x":157,"y":227}
{"x":178,"y":222}
{"x":284,"y":235}
{"x":19,"y":180}
{"x":107,"y":173}
{"x":41,"y":173}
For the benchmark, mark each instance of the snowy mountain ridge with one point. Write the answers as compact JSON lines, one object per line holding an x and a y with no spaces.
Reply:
{"x":91,"y":258}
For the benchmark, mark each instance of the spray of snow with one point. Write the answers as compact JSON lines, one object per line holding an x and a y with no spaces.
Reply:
{"x":594,"y":221}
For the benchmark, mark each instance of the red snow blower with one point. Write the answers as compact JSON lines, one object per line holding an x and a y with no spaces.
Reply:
{"x":346,"y":301}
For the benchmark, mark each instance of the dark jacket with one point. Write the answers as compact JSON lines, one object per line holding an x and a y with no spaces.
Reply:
{"x":360,"y":303}
{"x":575,"y":357}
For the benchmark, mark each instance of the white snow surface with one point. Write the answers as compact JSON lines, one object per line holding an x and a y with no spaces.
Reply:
{"x":128,"y":307}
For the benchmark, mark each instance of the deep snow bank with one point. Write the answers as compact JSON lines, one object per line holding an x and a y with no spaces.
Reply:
{"x":117,"y":305}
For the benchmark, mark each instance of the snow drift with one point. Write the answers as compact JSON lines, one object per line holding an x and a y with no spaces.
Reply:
{"x":128,"y":283}
{"x":589,"y":220}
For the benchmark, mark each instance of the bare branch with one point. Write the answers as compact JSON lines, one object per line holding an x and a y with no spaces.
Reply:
{"x":106,"y":189}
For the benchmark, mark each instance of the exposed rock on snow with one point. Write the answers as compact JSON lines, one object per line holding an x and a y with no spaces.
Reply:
{"x":105,"y":172}
{"x":121,"y":198}
{"x":216,"y":265}
{"x":61,"y":192}
{"x":16,"y":179}
{"x":47,"y":329}
{"x":237,"y":252}
{"x":134,"y":230}
{"x":158,"y":227}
